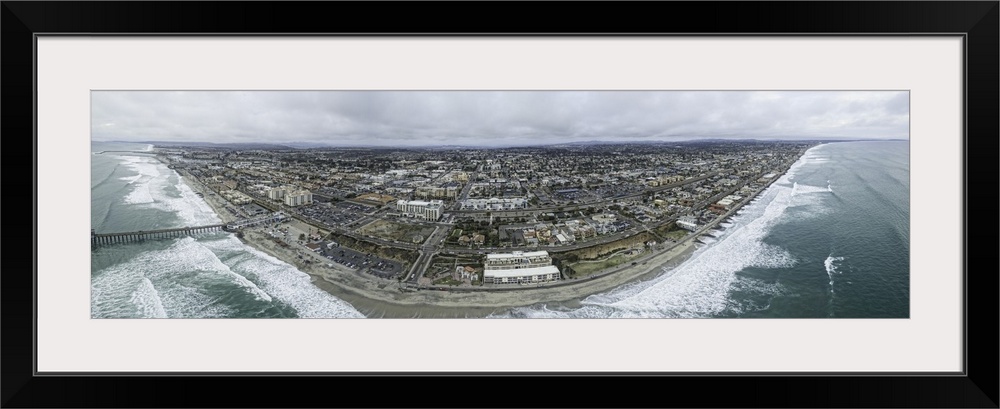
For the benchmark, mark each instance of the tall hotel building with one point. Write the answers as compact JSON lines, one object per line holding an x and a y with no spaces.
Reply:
{"x":519,"y":268}
{"x":298,"y":198}
{"x":420,"y":209}
{"x":290,"y":195}
{"x":277,"y":193}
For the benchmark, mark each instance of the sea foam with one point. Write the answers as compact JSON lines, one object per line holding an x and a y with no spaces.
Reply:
{"x":831,"y":268}
{"x":169,"y":283}
{"x":150,"y":188}
{"x":147,"y":299}
{"x":283,"y":281}
{"x":700,"y":287}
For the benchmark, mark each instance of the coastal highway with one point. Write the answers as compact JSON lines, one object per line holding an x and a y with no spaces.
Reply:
{"x":427,"y":252}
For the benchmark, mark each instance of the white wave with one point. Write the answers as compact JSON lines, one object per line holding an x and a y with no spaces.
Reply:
{"x":831,"y":269}
{"x":130,"y":179}
{"x":125,"y":291}
{"x":148,"y":148}
{"x":146,"y":173}
{"x":148,"y":300}
{"x":151,"y":189}
{"x":798,"y":189}
{"x":177,"y":276}
{"x":192,"y":209}
{"x":140,"y":195}
{"x":756,"y":287}
{"x":816,"y":158}
{"x":187,"y":254}
{"x":144,"y":166}
{"x":701,"y":286}
{"x":116,"y":292}
{"x":541,"y":311}
{"x":283,"y":281}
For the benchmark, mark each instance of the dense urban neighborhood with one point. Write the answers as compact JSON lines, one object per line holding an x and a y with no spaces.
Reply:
{"x":479,"y":219}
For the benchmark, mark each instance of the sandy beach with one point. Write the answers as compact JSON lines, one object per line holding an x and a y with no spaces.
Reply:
{"x":377,"y":297}
{"x":381,"y":298}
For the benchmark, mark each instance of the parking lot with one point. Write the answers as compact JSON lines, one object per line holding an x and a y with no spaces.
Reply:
{"x":331,"y":215}
{"x":246,"y":211}
{"x":354,"y":207}
{"x":612,"y":191}
{"x":357,"y":260}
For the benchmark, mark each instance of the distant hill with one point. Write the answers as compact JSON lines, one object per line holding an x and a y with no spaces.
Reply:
{"x":325,"y":145}
{"x":234,"y":146}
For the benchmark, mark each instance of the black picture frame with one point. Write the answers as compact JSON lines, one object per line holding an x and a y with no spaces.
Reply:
{"x":977,"y":22}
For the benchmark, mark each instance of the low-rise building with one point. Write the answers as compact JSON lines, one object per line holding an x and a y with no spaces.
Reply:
{"x":519,"y":268}
{"x":428,"y":210}
{"x":687,"y":223}
{"x":236,"y":197}
{"x":495,"y":203}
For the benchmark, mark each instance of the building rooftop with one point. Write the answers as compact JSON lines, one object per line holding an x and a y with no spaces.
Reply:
{"x":520,"y":272}
{"x":517,"y":254}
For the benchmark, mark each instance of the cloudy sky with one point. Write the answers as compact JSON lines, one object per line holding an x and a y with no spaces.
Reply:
{"x":493,"y":118}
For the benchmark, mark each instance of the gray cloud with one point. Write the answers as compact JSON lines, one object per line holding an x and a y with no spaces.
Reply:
{"x":413,"y":118}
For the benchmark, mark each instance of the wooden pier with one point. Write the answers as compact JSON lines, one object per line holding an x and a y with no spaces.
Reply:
{"x":98,"y":239}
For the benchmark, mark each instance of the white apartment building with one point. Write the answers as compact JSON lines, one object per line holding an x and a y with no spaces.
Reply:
{"x":436,"y":191}
{"x":428,"y":210}
{"x":495,"y":204}
{"x":298,"y":198}
{"x":519,"y":268}
{"x":277,"y":193}
{"x":236,"y":197}
{"x":688,"y":223}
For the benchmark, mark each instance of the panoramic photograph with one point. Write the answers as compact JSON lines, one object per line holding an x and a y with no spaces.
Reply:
{"x":500,"y":204}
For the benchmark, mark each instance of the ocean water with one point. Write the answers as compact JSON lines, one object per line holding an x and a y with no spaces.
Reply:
{"x":209,"y":276}
{"x":830,"y":238}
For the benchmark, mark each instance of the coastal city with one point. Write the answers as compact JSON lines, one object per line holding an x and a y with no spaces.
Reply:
{"x":477,"y":219}
{"x":498,"y":204}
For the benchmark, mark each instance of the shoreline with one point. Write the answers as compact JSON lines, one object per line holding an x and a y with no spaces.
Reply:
{"x":376,"y":297}
{"x":381,"y":298}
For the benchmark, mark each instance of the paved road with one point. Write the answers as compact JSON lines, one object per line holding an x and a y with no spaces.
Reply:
{"x":428,"y":250}
{"x":433,"y":244}
{"x":538,"y":210}
{"x":466,"y":189}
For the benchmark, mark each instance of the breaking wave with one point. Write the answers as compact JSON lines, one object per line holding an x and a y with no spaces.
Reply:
{"x":282,"y":280}
{"x":151,"y":186}
{"x":831,"y":269}
{"x":701,"y":286}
